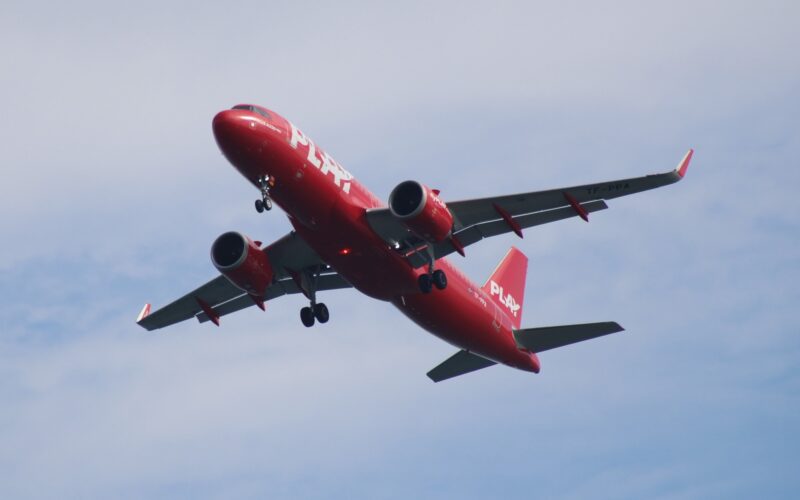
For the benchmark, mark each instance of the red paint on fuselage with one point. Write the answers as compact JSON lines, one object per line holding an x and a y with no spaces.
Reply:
{"x":327,"y":208}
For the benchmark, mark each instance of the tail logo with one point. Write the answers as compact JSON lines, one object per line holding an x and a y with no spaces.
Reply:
{"x":505,"y":299}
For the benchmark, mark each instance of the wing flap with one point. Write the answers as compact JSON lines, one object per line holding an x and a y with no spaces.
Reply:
{"x":543,"y":339}
{"x":458,"y":364}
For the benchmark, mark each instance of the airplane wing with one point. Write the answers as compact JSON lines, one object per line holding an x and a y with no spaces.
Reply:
{"x":291,"y":259}
{"x":484,"y":217}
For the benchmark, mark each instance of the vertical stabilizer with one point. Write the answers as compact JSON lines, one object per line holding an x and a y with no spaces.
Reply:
{"x":506,"y":286}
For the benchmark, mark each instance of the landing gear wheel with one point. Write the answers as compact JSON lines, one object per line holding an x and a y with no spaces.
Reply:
{"x":439,"y":279}
{"x":321,"y":312}
{"x":307,"y":316}
{"x":265,"y":203}
{"x":425,"y":283}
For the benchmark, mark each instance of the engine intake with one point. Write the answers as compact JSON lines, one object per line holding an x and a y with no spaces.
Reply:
{"x":240,"y":260}
{"x":421,"y":211}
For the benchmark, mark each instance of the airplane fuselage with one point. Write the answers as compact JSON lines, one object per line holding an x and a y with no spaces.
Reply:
{"x":327,"y":205}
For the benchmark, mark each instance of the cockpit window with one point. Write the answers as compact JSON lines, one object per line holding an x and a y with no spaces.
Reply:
{"x":255,"y":109}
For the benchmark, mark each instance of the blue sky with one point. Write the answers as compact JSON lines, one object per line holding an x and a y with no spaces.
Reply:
{"x":113,"y":190}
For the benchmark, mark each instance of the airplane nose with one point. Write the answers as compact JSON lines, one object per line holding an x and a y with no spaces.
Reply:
{"x":236,"y":136}
{"x":228,"y":125}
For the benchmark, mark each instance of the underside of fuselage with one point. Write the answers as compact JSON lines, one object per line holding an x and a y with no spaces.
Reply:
{"x":327,"y":206}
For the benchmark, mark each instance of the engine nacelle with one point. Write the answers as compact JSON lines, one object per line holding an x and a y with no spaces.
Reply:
{"x":421,"y":211}
{"x":240,"y":260}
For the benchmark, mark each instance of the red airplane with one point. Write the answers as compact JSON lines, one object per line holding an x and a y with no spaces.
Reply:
{"x":344,"y":236}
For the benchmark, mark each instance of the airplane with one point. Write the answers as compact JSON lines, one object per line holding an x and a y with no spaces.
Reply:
{"x":343,"y":236}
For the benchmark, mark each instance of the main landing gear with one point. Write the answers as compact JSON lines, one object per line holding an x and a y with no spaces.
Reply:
{"x":318,"y":312}
{"x":315,"y":311}
{"x":436,"y":279}
{"x":265,"y":182}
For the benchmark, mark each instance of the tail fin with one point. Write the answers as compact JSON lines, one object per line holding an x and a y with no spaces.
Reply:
{"x":506,"y":286}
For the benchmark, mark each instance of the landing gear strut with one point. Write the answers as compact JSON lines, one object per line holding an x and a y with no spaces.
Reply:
{"x":265,"y":182}
{"x":315,"y":311}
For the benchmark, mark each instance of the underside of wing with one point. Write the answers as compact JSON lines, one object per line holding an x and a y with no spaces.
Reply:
{"x":485,"y":217}
{"x":295,"y":266}
{"x":469,"y":212}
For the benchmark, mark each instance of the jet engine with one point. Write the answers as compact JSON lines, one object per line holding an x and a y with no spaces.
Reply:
{"x":241,"y":260}
{"x":421,"y":210}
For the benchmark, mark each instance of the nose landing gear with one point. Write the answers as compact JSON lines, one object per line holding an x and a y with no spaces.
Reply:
{"x":265,"y":182}
{"x":264,"y":204}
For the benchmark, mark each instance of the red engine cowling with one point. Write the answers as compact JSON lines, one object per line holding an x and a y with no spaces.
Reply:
{"x":241,"y":261}
{"x":421,"y":211}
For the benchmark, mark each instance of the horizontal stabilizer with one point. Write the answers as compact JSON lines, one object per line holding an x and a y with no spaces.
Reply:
{"x":544,"y":339}
{"x":458,"y":364}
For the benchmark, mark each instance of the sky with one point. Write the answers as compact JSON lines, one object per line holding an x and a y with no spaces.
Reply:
{"x":113,"y":190}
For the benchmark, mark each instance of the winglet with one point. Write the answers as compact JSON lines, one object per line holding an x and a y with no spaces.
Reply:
{"x":144,"y":313}
{"x":684,"y":164}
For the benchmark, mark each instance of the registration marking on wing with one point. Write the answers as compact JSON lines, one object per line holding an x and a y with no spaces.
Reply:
{"x":608,"y":188}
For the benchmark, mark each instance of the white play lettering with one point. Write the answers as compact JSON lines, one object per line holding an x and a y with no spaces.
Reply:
{"x":339,"y":173}
{"x":507,"y":300}
{"x":312,"y":154}
{"x":326,"y":165}
{"x":299,"y":138}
